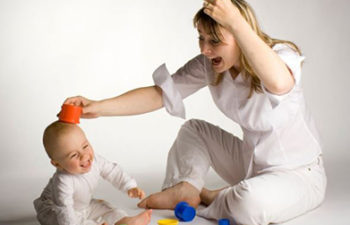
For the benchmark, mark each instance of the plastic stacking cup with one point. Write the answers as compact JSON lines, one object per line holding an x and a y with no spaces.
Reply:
{"x":223,"y":222}
{"x":168,"y":222}
{"x":70,"y":113}
{"x":184,"y":212}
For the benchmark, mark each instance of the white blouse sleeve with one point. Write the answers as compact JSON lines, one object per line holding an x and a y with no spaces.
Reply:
{"x":187,"y":80}
{"x":293,"y":60}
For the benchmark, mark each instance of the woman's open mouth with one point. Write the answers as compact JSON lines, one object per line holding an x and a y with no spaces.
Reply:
{"x":216,"y":61}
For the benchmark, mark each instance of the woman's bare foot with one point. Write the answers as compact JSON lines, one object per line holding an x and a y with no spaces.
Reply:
{"x":208,"y":196}
{"x":168,"y":198}
{"x":140,"y":219}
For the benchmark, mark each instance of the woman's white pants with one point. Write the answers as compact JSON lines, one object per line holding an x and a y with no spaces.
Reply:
{"x":272,"y":197}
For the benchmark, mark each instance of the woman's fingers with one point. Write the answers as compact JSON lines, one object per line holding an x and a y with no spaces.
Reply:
{"x":210,"y":1}
{"x":77,"y":100}
{"x":222,"y":11}
{"x":208,"y":5}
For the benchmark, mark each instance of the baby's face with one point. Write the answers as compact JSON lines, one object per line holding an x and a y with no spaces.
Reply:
{"x":74,"y":153}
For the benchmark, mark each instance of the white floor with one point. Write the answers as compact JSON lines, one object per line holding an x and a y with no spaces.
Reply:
{"x":335,"y":209}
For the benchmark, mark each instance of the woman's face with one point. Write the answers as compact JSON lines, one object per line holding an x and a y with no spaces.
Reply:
{"x":223,"y":54}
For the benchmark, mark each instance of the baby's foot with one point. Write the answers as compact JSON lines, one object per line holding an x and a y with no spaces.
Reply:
{"x":143,"y":218}
{"x":168,"y":198}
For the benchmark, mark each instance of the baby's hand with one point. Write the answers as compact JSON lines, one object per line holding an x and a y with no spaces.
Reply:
{"x":136,"y":193}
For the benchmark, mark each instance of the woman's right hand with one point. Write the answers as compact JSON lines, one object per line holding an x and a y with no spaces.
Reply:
{"x":89,"y":107}
{"x":223,"y":12}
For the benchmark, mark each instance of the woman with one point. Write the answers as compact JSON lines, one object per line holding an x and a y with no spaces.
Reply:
{"x":275,"y":173}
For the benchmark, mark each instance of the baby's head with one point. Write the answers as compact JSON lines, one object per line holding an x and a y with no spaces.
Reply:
{"x":68,"y":148}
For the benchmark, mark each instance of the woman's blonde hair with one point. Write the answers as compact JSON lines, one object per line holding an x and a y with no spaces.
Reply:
{"x":247,"y":12}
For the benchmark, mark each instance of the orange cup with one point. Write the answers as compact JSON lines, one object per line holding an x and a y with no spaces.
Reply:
{"x":70,"y":113}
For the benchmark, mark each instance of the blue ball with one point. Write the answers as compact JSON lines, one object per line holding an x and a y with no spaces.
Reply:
{"x":184,"y":212}
{"x":223,"y":222}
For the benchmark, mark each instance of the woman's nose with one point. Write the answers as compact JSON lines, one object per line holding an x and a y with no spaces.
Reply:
{"x":206,"y":50}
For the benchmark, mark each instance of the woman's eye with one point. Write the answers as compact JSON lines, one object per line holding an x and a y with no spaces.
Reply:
{"x":214,"y":42}
{"x":200,"y":38}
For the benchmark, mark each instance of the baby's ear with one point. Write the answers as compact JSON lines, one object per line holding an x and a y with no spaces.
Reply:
{"x":55,"y":164}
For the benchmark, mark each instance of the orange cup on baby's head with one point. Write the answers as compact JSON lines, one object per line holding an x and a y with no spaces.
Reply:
{"x":70,"y":113}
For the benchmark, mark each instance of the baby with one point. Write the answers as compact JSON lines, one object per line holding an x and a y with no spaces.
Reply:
{"x":67,"y":199}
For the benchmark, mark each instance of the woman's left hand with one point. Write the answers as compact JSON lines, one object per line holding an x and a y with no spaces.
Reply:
{"x":223,"y":12}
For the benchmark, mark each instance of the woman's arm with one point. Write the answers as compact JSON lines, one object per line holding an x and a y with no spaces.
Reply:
{"x":137,"y":101}
{"x":267,"y":65}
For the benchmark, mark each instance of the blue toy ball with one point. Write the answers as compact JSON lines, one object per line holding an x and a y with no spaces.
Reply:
{"x":223,"y":222}
{"x":184,"y":212}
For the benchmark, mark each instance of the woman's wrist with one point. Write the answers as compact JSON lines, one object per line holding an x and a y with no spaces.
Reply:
{"x":101,"y":107}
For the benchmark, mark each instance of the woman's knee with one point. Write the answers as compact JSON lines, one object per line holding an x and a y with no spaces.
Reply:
{"x":197,"y":126}
{"x":193,"y":123}
{"x":248,"y":206}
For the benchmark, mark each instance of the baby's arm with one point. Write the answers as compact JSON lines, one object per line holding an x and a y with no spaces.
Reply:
{"x":136,"y":193}
{"x":113,"y":173}
{"x":63,"y":191}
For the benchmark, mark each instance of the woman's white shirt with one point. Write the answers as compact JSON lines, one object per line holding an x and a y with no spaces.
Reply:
{"x":279,"y":132}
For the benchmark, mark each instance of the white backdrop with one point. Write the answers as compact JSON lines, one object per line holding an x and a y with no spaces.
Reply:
{"x":50,"y":50}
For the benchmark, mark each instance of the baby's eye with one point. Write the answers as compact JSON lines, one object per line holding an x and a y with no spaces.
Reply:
{"x":85,"y":146}
{"x":74,"y":155}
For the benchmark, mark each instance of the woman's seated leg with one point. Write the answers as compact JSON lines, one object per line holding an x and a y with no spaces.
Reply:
{"x":198,"y":146}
